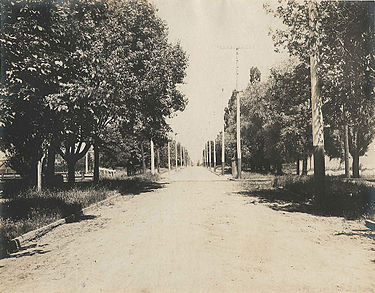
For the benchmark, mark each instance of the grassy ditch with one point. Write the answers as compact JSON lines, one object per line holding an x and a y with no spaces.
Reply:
{"x":29,"y":209}
{"x":351,"y":199}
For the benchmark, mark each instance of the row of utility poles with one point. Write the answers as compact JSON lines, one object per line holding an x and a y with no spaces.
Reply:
{"x":317,"y":116}
{"x":184,"y":156}
{"x":207,"y":159}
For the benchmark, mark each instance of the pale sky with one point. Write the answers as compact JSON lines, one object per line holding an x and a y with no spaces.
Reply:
{"x":205,"y":29}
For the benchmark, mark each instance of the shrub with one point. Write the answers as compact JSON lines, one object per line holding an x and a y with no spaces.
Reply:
{"x":348,"y":198}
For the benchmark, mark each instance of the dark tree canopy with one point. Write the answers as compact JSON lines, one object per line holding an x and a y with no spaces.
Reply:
{"x":78,"y":71}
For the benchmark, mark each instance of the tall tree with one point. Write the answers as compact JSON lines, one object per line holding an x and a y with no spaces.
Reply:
{"x":345,"y":42}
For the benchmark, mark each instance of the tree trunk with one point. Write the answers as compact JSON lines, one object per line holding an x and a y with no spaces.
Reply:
{"x":40,"y":173}
{"x":96,"y":163}
{"x":158,"y":159}
{"x":169,"y":156}
{"x":346,"y":150}
{"x":279,"y":169}
{"x":304,"y":166}
{"x":297,"y":167}
{"x":152,"y":157}
{"x":71,"y":172}
{"x":355,"y":166}
{"x":316,"y":102}
{"x":31,"y":178}
{"x":143,"y":159}
{"x":319,"y":171}
{"x":50,"y":172}
{"x":268,"y":167}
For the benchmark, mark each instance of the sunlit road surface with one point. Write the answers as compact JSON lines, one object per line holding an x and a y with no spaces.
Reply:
{"x":196,"y":234}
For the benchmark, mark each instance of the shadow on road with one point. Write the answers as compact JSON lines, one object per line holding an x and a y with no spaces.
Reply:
{"x":342,"y":198}
{"x":361,"y":233}
{"x":283,"y":201}
{"x":30,"y":210}
{"x":132,"y":186}
{"x":29,"y":250}
{"x":289,"y":201}
{"x":27,"y":253}
{"x":75,"y":218}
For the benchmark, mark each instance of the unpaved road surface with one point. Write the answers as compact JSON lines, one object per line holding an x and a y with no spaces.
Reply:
{"x":196,"y":234}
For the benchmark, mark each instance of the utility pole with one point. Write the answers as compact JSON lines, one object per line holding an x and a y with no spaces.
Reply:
{"x":222,"y":136}
{"x":169,"y":156}
{"x":143,"y":159}
{"x":238,"y":136}
{"x":238,"y":120}
{"x":176,"y":150}
{"x":158,"y":159}
{"x":39,"y":173}
{"x":209,"y":154}
{"x":237,"y":49}
{"x":206,"y":154}
{"x":346,"y":150}
{"x":316,"y":103}
{"x":152,"y":158}
{"x":180,"y":155}
{"x":206,"y":147}
{"x":87,"y":162}
{"x":186,"y":156}
{"x":214,"y":143}
{"x":214,"y":156}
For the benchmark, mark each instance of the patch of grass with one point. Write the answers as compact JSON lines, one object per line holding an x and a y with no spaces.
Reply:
{"x":29,"y":209}
{"x":351,"y":199}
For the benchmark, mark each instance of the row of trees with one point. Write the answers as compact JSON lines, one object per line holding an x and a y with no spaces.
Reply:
{"x":276,"y":113}
{"x":77,"y":74}
{"x":135,"y":157}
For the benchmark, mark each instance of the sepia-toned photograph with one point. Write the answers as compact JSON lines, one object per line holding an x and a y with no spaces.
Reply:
{"x":187,"y":146}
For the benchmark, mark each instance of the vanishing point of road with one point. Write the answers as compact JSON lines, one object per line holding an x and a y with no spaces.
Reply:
{"x":195,"y":234}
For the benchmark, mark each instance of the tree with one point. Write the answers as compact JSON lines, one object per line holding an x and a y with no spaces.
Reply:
{"x":27,"y":40}
{"x":254,"y":74}
{"x":290,"y":109}
{"x":100,"y":67}
{"x":75,"y":106}
{"x":346,"y":50}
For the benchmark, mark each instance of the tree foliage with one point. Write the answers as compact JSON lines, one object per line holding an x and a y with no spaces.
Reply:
{"x":346,"y":65}
{"x":78,"y":72}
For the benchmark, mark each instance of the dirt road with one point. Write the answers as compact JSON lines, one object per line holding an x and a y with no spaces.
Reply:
{"x":196,"y":234}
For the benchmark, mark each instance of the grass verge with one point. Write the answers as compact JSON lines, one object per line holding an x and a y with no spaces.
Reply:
{"x":351,"y":199}
{"x":29,"y":209}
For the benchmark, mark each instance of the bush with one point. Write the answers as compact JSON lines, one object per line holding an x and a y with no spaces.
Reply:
{"x":352,"y":199}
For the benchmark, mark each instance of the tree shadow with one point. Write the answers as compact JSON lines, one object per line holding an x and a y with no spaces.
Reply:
{"x":27,"y":253}
{"x":367,"y":233}
{"x":27,"y":250}
{"x":31,"y":209}
{"x":132,"y":186}
{"x":281,"y":200}
{"x":342,"y":198}
{"x":79,"y":217}
{"x":21,"y":208}
{"x":288,"y":201}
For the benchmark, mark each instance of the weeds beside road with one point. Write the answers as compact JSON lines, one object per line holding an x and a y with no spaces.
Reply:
{"x":343,"y":198}
{"x":30,"y":209}
{"x":348,"y":198}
